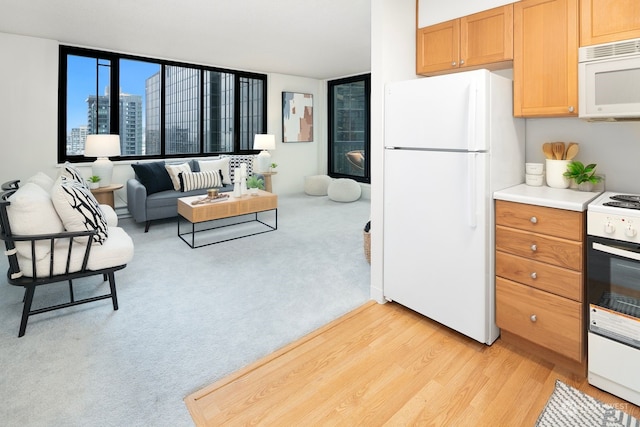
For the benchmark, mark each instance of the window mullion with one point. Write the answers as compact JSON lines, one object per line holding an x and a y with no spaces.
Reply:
{"x":114,"y":93}
{"x":163,"y":93}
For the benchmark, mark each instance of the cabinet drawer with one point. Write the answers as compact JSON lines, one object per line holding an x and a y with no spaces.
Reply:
{"x":540,"y":219}
{"x":560,"y":281}
{"x":548,"y":320}
{"x":560,"y":252}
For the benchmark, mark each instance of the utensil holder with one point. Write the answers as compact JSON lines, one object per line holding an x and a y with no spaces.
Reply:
{"x":555,"y":171}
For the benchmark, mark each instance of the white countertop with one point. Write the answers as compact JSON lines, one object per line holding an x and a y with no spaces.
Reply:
{"x":568,"y":199}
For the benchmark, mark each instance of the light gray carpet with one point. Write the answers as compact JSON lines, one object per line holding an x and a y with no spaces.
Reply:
{"x":568,"y":406}
{"x":187,"y":317}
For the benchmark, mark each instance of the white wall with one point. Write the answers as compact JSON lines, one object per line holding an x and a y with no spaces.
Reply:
{"x":297,"y":159}
{"x":613,"y":146}
{"x":434,"y":11}
{"x":29,"y":106}
{"x":393,"y":48}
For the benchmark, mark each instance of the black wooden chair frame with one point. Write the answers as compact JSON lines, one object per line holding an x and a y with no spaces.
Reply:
{"x":15,"y":276}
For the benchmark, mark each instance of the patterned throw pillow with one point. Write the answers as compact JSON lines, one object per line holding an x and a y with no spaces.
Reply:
{"x":78,"y":209}
{"x":174,"y":171}
{"x":72,"y":173}
{"x":236,"y":160}
{"x":196,"y":180}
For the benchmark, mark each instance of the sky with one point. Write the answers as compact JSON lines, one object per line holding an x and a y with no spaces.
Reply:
{"x":81,"y":82}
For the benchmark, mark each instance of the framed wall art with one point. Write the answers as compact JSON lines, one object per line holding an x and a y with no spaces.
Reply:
{"x":297,"y":117}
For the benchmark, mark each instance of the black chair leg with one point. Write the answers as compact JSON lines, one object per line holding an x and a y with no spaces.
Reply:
{"x":28,"y":299}
{"x":112,"y":285}
{"x":71,"y":296}
{"x":146,"y":226}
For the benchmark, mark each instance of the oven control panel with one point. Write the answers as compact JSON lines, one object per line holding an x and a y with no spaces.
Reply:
{"x":617,"y":227}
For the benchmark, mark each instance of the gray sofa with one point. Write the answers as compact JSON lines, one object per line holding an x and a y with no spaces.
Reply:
{"x":151,"y":196}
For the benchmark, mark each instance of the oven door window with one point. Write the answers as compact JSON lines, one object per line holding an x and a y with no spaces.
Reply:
{"x":613,"y":289}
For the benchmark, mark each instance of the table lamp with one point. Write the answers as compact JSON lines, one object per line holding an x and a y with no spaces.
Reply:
{"x":102,"y":146}
{"x":264,"y":142}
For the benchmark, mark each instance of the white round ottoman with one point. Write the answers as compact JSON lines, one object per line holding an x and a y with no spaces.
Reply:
{"x":344,"y":190}
{"x":317,"y":185}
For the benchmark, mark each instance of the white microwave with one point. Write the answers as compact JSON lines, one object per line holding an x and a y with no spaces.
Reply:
{"x":609,"y":81}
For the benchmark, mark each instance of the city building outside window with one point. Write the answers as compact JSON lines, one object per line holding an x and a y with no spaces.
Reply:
{"x":159,"y":108}
{"x":349,"y":117}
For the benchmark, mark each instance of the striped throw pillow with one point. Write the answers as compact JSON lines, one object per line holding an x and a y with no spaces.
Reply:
{"x":196,"y":180}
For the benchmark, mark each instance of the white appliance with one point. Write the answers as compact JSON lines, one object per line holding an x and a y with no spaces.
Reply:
{"x":608,"y":76}
{"x":450,"y":142}
{"x":613,"y":294}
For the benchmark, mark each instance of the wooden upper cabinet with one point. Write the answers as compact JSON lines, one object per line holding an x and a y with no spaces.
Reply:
{"x":487,"y":37}
{"x":438,"y":47}
{"x":604,"y":21}
{"x":545,"y":58}
{"x":484,"y":39}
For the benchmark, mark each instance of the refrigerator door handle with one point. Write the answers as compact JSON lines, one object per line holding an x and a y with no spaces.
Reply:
{"x":471,"y":119}
{"x":471,"y":190}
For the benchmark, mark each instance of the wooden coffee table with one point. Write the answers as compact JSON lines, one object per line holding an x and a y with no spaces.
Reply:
{"x":245,"y":208}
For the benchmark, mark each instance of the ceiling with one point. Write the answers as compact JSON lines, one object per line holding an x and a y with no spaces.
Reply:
{"x":311,"y":38}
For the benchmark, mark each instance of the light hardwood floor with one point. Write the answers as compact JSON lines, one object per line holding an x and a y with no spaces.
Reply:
{"x":386,"y":365}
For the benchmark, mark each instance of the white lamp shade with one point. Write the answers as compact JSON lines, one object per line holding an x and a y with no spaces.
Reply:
{"x":264,"y":142}
{"x":102,"y":146}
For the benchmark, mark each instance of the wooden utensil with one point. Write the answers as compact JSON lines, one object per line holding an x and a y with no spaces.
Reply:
{"x":547,"y":149}
{"x":558,"y":150}
{"x":572,"y":150}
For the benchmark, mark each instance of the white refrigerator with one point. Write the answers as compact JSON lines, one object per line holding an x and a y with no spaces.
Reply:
{"x":450,"y":142}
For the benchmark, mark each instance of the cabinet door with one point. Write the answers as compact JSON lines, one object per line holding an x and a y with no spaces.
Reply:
{"x":541,"y":318}
{"x":604,"y":21}
{"x":438,"y":47}
{"x":545,"y":58}
{"x":487,"y":37}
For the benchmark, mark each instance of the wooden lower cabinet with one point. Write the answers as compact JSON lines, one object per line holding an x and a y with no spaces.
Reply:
{"x":546,"y":277}
{"x":546,"y":319}
{"x":540,"y":258}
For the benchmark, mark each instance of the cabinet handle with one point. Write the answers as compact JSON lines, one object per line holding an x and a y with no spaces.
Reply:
{"x":534,"y":247}
{"x":534,"y":318}
{"x":462,"y":62}
{"x":571,"y":108}
{"x":534,"y":220}
{"x":453,"y":64}
{"x":534,"y":275}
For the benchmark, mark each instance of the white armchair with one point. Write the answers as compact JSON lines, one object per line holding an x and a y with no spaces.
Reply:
{"x":55,"y":232}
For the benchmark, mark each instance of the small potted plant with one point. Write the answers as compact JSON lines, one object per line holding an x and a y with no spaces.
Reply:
{"x":254,"y":184}
{"x":273,"y":166}
{"x":584,"y":176}
{"x":94,"y":181}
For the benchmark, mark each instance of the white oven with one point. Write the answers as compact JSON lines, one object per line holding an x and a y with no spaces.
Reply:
{"x":608,"y":76}
{"x":613,"y":294}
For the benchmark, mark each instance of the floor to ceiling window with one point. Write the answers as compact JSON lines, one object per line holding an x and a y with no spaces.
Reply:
{"x":349,"y":116}
{"x":159,"y":108}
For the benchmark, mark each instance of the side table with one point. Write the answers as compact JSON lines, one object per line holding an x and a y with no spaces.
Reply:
{"x":104,"y":195}
{"x":267,"y":180}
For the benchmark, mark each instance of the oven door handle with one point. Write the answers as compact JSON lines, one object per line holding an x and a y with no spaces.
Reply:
{"x":616,"y":251}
